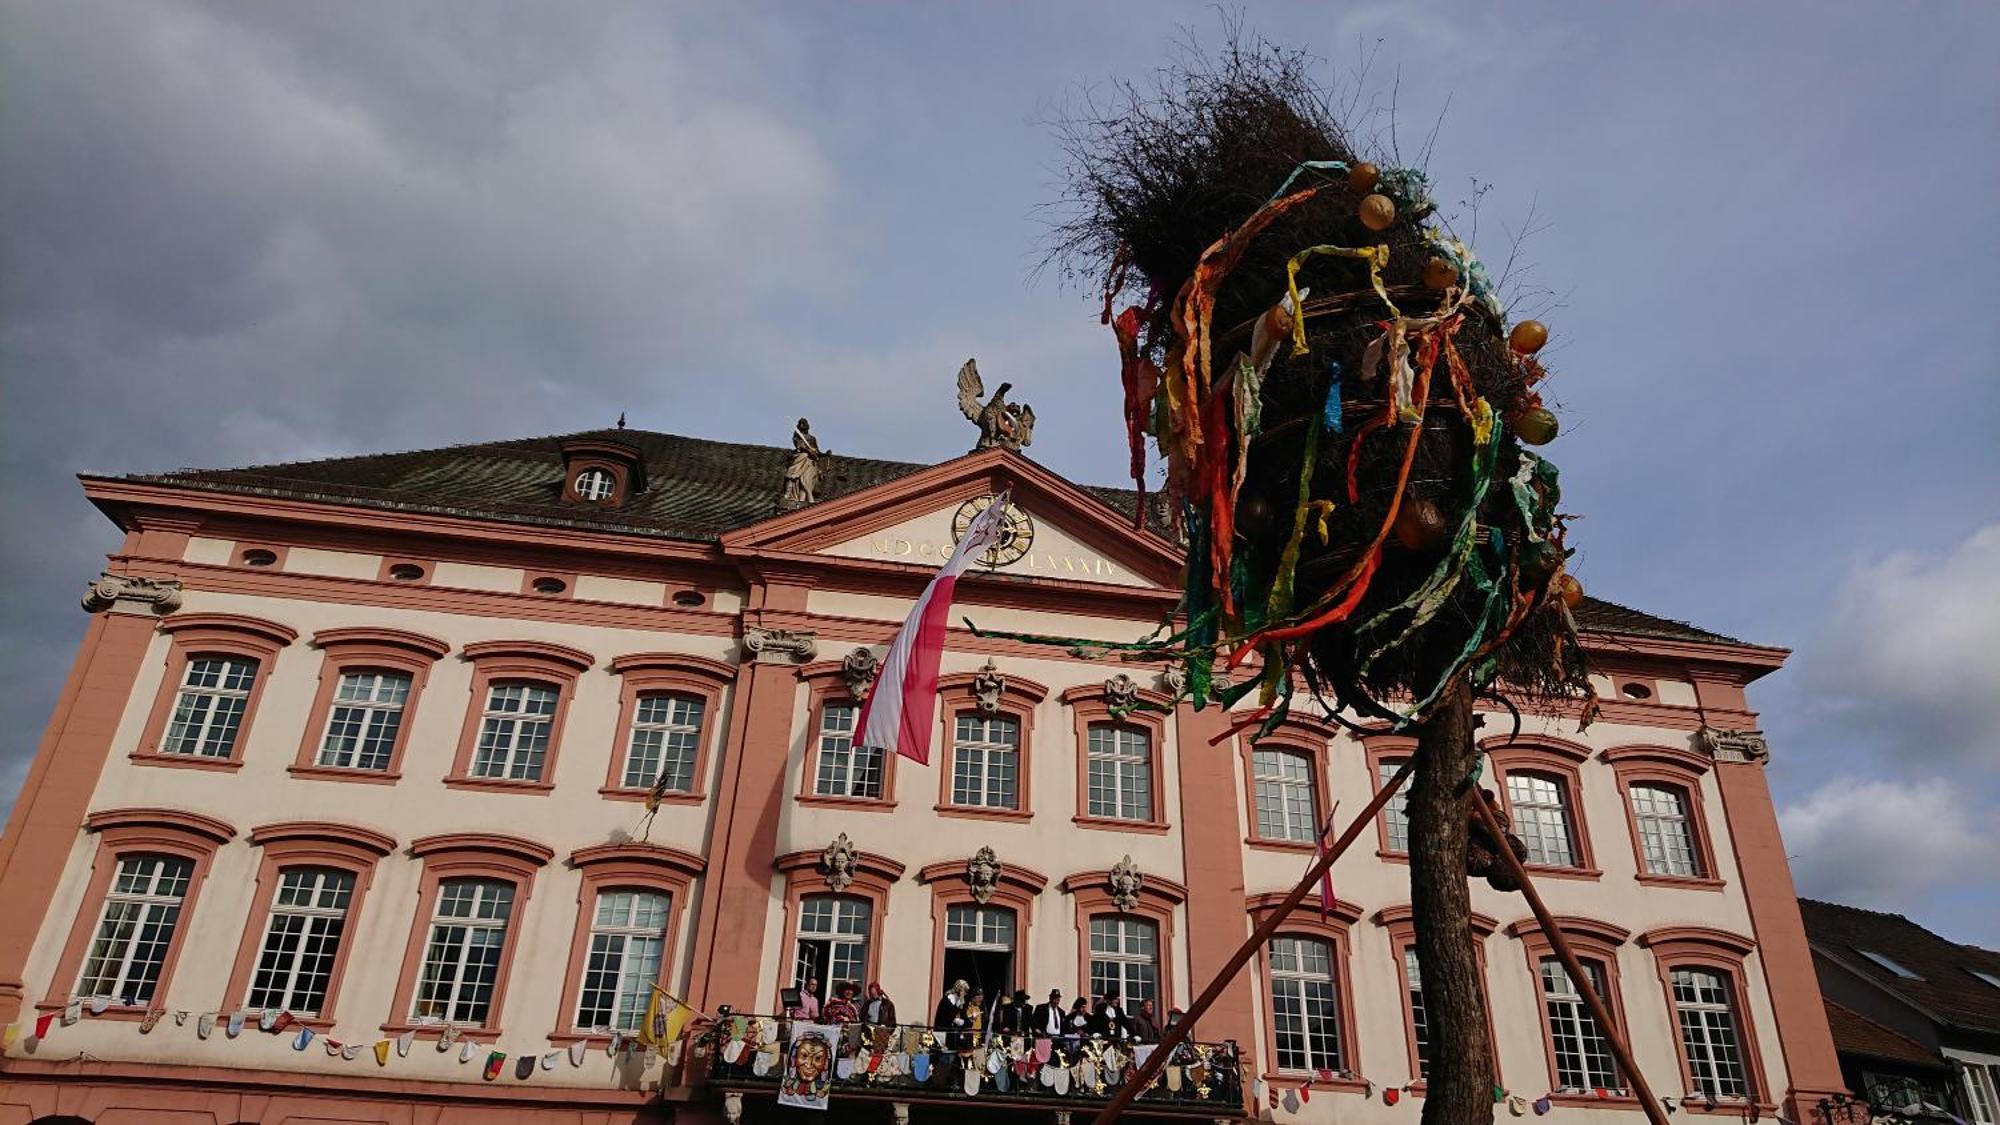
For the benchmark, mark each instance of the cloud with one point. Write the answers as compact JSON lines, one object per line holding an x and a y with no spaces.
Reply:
{"x":1883,"y":844}
{"x":1910,"y":652}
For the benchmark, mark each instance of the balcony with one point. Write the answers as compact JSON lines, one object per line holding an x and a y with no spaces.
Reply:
{"x":910,"y":1065}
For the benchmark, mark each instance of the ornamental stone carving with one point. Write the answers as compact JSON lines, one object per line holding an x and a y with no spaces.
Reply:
{"x":1734,"y":745}
{"x":1124,"y":882}
{"x":838,"y":863}
{"x":129,"y":593}
{"x":859,"y":669}
{"x":1173,"y":680}
{"x":779,"y":646}
{"x":987,"y":687}
{"x":1121,"y":692}
{"x":982,"y":874}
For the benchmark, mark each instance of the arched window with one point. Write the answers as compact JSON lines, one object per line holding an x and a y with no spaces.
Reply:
{"x":1287,"y":808}
{"x":1579,"y":1051}
{"x":982,"y":929}
{"x":989,"y":723}
{"x":1125,"y":958}
{"x":1663,"y":803}
{"x":1131,"y":947}
{"x":831,"y":932}
{"x":1702,"y":971}
{"x":370,"y":681}
{"x":475,"y":890}
{"x":669,"y":710}
{"x":217,"y":665}
{"x":1542,"y":816}
{"x":1541,"y":789}
{"x":1386,"y":755}
{"x":1305,"y":1005}
{"x":150,"y":866}
{"x":1399,"y":921}
{"x":1119,"y":782}
{"x":520,"y":696}
{"x":311,"y":879}
{"x":595,"y":484}
{"x":629,"y":904}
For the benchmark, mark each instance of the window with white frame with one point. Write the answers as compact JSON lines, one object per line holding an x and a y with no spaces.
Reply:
{"x":595,"y":484}
{"x":1305,"y":1004}
{"x":1286,"y":807}
{"x":628,"y":943}
{"x":666,"y":740}
{"x":301,"y":940}
{"x":462,"y":956}
{"x":1121,"y":772}
{"x":1540,"y":805}
{"x":366,"y":715}
{"x":845,"y":770}
{"x":208,"y":714}
{"x":1706,"y":1010}
{"x":1666,"y":836}
{"x":1125,"y":956}
{"x":136,"y":928}
{"x":514,"y":731}
{"x":967,"y":926}
{"x":832,"y":940}
{"x":1420,"y":1028}
{"x":1395,"y":813}
{"x":1979,"y":1092}
{"x":1583,"y":1055}
{"x":986,"y":761}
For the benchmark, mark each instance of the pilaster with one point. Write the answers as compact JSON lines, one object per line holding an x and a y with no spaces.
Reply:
{"x":1212,"y":862}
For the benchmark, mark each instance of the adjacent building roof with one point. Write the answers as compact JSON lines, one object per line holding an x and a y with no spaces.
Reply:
{"x":1941,"y":979}
{"x":698,"y":489}
{"x":1856,"y":1034}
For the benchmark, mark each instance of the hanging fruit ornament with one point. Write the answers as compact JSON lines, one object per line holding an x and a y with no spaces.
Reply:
{"x":1528,"y":337}
{"x":1419,"y":525}
{"x":1363,"y":177}
{"x":1536,"y":427}
{"x":1439,"y":273}
{"x":1378,"y":212}
{"x":1569,"y":590}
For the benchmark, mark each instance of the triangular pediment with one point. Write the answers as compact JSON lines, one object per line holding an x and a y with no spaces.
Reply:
{"x":1058,"y":533}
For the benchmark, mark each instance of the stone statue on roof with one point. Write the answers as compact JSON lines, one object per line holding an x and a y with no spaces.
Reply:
{"x":802,"y":475}
{"x":1007,"y":425}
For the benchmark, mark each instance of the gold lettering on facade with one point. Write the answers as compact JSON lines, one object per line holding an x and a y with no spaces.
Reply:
{"x":1046,"y":563}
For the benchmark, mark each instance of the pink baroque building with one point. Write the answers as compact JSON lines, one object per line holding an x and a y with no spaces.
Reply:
{"x":359,"y":751}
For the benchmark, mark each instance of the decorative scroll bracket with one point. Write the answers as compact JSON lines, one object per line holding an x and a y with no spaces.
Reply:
{"x":779,"y":646}
{"x":129,"y":593}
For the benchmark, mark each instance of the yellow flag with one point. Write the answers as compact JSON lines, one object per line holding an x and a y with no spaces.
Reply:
{"x":381,"y":1052}
{"x":654,"y":1025}
{"x":677,"y":1021}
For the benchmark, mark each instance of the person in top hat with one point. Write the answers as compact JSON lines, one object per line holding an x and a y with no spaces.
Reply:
{"x":1047,"y":1021}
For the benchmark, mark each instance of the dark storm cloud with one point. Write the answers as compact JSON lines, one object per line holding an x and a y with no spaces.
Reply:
{"x":251,"y":232}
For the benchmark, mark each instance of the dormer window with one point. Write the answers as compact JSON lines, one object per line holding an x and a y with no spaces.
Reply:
{"x":601,"y":472}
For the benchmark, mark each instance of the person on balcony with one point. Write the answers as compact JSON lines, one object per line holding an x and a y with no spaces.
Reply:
{"x":808,"y":1006}
{"x":951,"y":1015}
{"x":1079,"y":1024}
{"x":1144,"y":1024}
{"x":1047,"y":1020}
{"x":1012,"y":1018}
{"x":841,"y":1008}
{"x":1107,"y":1022}
{"x":878,"y":1010}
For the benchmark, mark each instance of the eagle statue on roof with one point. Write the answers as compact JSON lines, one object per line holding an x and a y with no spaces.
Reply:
{"x":1008,"y":425}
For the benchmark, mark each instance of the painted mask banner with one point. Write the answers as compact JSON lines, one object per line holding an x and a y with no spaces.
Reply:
{"x":809,"y":1065}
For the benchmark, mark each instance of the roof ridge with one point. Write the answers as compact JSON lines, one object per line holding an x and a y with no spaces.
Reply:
{"x":1864,"y":910}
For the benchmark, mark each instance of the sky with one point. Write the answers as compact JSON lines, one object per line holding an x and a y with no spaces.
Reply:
{"x":1763,"y":237}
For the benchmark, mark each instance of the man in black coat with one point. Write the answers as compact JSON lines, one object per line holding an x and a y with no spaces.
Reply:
{"x":1049,"y":1021}
{"x":1108,"y":1021}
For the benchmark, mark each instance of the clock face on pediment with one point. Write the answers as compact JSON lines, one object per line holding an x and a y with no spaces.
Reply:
{"x":1017,"y":530}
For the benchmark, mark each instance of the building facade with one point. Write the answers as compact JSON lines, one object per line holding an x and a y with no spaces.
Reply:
{"x":361,"y":750}
{"x":1915,"y":1016}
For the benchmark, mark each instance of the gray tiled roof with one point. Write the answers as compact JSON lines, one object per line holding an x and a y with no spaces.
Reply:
{"x":696,"y":489}
{"x":1944,"y":983}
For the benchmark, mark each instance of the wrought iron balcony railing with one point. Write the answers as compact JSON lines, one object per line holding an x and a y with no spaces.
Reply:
{"x":916,"y":1063}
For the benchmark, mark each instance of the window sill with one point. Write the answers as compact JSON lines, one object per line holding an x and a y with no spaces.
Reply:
{"x":641,"y":795}
{"x":1300,"y":846}
{"x":123,"y":1013}
{"x":338,"y":773}
{"x":1111,"y":824}
{"x":1730,"y":1107}
{"x":1388,"y":856}
{"x":429,"y":1031}
{"x":593,"y":1038}
{"x":1689,"y":882}
{"x":1609,"y":1101}
{"x":858,"y":804}
{"x":981,"y":812}
{"x":188,"y":762}
{"x":1336,"y":1084}
{"x":1550,"y":871}
{"x":498,"y":785}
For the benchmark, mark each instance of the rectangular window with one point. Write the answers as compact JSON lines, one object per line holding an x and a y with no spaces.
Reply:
{"x":978,"y":927}
{"x":209,"y":712}
{"x":1709,"y":1033}
{"x":462,"y":957}
{"x":1541,"y":818}
{"x":1979,"y":1093}
{"x":1395,"y":814}
{"x":135,"y":931}
{"x":1121,"y":773}
{"x":1305,"y":1001}
{"x":1666,"y":839}
{"x":1583,"y":1057}
{"x":628,"y":943}
{"x":666,"y":734}
{"x":845,"y":770}
{"x":833,"y":941}
{"x":1286,"y":808}
{"x":986,"y":761}
{"x":301,"y":940}
{"x":514,"y":735}
{"x":1125,"y":955}
{"x":1419,"y":1026}
{"x":366,"y":715}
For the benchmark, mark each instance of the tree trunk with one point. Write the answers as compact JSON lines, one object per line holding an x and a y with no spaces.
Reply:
{"x":1459,"y":1085}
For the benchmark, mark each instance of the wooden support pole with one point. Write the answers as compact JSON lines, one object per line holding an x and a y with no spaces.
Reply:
{"x":1613,"y":1034}
{"x":1174,"y":1036}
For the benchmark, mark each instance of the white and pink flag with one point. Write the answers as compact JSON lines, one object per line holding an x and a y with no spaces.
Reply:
{"x":898,"y":712}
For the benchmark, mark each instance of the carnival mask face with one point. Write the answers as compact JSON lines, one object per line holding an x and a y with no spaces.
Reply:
{"x":810,"y":1059}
